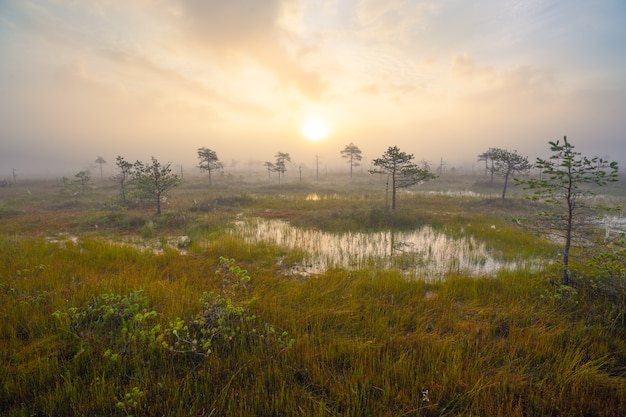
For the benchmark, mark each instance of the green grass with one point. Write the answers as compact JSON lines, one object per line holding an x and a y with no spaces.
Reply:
{"x":82,"y":323}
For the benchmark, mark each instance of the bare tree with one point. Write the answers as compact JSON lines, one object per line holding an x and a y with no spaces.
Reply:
{"x":352,"y":154}
{"x":403,"y":172}
{"x":100,"y":161}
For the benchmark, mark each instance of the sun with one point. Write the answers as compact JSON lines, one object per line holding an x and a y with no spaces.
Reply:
{"x":315,"y":128}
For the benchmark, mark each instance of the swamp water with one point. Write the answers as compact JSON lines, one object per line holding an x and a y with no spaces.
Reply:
{"x":424,"y":253}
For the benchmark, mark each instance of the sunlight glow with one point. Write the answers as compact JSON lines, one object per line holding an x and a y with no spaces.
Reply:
{"x":315,"y":129}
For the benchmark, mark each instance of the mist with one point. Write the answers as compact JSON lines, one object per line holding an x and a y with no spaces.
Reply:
{"x":89,"y":80}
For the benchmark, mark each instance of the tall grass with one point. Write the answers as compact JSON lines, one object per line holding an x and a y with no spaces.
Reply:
{"x":366,"y":342}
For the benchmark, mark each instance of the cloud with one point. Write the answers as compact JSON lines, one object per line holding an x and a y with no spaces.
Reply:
{"x":172,"y":75}
{"x":170,"y":79}
{"x":38,"y":21}
{"x":394,"y":20}
{"x":486,"y":82}
{"x":371,"y":89}
{"x":250,"y":29}
{"x":463,"y":66}
{"x":396,"y":92}
{"x":232,"y":24}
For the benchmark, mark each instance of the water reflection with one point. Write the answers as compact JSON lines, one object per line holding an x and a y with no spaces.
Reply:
{"x":426,"y":252}
{"x":613,"y":225}
{"x":319,"y":197}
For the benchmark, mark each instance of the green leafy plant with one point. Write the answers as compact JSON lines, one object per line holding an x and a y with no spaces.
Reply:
{"x":214,"y":327}
{"x":130,"y":401}
{"x":234,"y":277}
{"x":221,"y":320}
{"x":121,"y":320}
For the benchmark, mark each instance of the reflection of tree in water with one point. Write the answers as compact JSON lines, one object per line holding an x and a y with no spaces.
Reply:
{"x":399,"y":247}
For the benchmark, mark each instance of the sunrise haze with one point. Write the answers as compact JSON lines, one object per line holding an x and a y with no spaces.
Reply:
{"x":443,"y":80}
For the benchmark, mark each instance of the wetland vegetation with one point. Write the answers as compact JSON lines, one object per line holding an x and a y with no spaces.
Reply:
{"x":305,"y":298}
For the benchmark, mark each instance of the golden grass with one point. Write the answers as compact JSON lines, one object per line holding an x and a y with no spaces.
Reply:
{"x":366,"y":342}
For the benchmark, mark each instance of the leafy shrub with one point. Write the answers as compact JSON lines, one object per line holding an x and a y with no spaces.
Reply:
{"x":221,"y":320}
{"x":126,"y":321}
{"x":121,"y":320}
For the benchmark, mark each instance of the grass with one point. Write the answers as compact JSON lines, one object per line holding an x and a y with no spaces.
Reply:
{"x":83,"y":321}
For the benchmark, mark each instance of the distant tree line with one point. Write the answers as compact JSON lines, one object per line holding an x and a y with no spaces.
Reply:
{"x":154,"y":180}
{"x":564,"y":186}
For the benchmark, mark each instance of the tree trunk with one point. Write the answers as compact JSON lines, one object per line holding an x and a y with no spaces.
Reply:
{"x":387,"y":193}
{"x":506,"y":180}
{"x":393,"y":192}
{"x":568,"y":242}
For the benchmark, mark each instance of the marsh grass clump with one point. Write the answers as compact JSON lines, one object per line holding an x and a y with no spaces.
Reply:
{"x":121,"y":352}
{"x":364,"y":342}
{"x":122,"y":221}
{"x":8,"y":212}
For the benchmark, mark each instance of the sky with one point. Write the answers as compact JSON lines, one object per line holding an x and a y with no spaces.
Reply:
{"x":443,"y":80}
